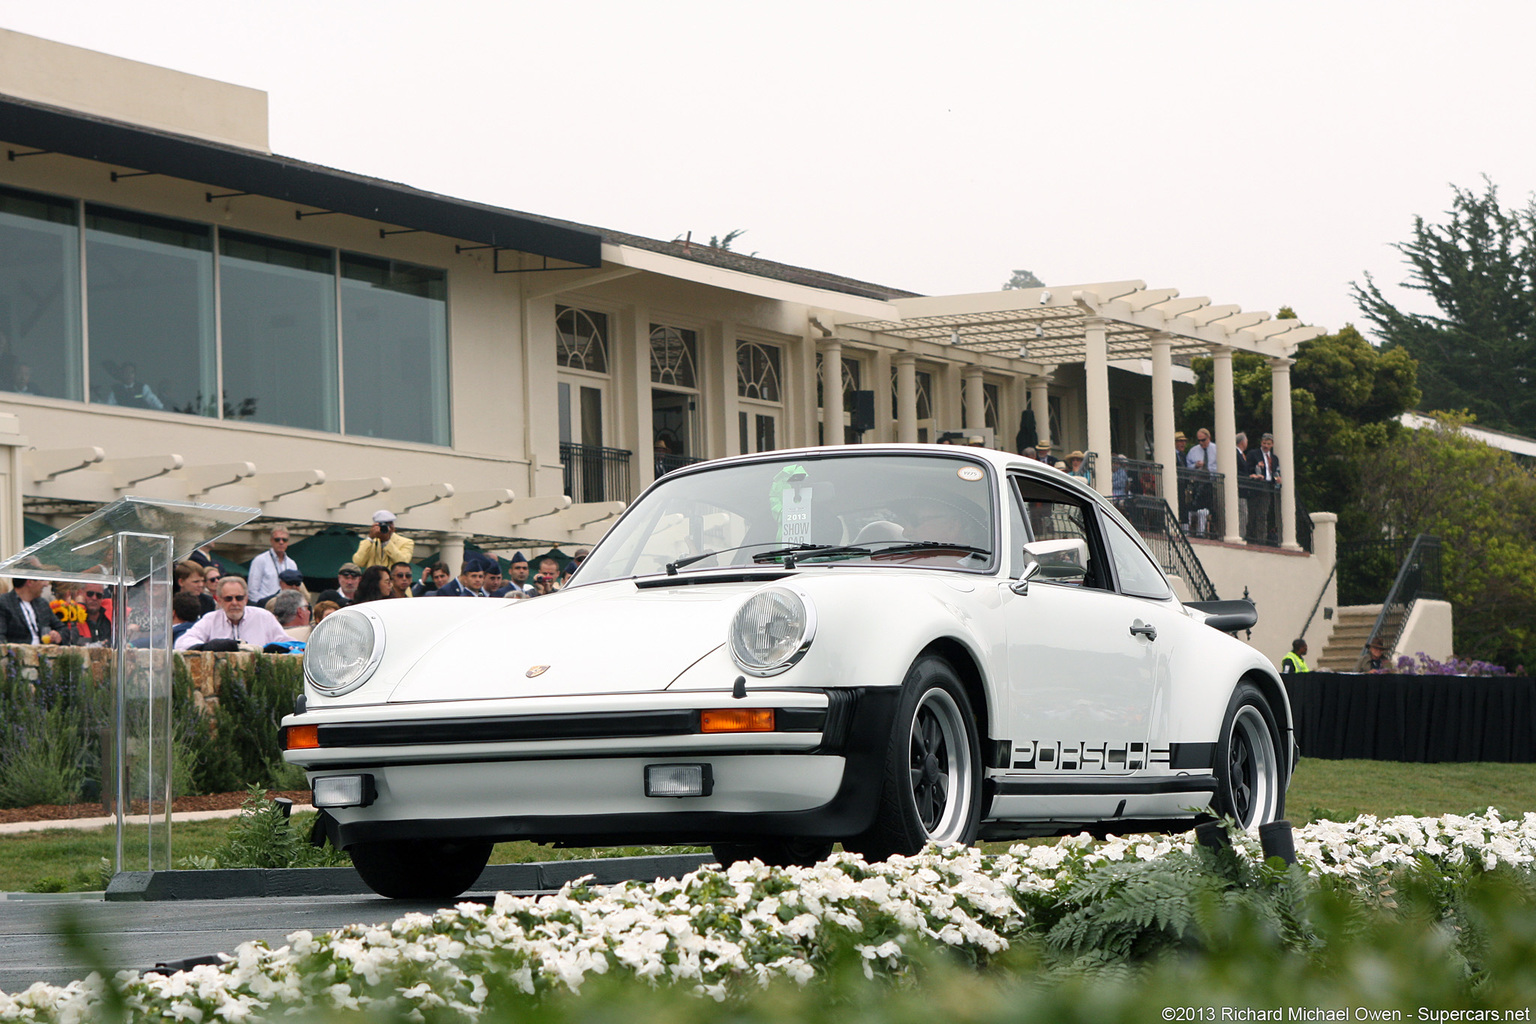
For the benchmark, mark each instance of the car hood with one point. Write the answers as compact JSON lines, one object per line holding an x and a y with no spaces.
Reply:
{"x":603,"y":638}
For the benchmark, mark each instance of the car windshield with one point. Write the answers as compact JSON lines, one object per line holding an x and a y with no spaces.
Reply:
{"x":934,"y":511}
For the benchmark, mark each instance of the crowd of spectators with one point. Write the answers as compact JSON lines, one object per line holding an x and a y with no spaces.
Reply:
{"x":273,"y":609}
{"x":1196,"y":468}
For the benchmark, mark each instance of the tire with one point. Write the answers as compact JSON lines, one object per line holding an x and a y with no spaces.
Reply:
{"x":1250,"y":773}
{"x":780,"y":853}
{"x":421,"y":869}
{"x":931,"y":792}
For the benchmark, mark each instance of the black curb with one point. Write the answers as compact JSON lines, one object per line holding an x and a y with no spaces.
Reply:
{"x":256,"y":883}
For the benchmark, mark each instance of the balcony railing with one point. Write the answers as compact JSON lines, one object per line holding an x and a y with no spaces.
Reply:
{"x":1200,"y":503}
{"x":667,"y":463}
{"x":594,"y":473}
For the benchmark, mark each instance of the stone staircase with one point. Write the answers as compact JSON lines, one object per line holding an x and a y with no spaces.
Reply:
{"x":1350,"y":634}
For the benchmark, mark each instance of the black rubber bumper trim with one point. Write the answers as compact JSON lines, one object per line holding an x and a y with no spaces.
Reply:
{"x":522,"y":728}
{"x":1189,"y":756}
{"x":850,"y":811}
{"x":1059,"y":786}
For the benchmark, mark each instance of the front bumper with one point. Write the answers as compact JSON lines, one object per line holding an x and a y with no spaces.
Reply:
{"x":573,"y":775}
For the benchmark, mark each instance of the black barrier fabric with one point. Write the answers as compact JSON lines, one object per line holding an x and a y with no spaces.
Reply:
{"x":1414,"y":718}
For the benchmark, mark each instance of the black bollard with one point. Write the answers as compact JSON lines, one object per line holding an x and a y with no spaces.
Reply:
{"x":1278,"y":840}
{"x":1213,"y":836}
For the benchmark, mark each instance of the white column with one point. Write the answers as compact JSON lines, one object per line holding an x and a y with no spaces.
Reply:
{"x":725,"y":435}
{"x":975,"y":412}
{"x":1162,"y":418}
{"x":1039,"y":404}
{"x":1018,"y":389}
{"x":636,"y":429}
{"x":801,"y":387}
{"x":1096,"y":391}
{"x":906,"y":397}
{"x":832,"y":391}
{"x":1226,"y":441}
{"x":1285,"y":448}
{"x":12,"y":443}
{"x":885,"y":425}
{"x":451,"y":551}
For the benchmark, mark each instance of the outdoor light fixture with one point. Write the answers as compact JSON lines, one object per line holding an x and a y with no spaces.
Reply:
{"x":1023,"y":351}
{"x":679,"y":780}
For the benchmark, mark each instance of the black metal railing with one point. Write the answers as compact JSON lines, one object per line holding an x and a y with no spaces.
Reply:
{"x":1164,"y":534}
{"x":1367,"y":568}
{"x":1142,"y":479}
{"x":594,"y":473}
{"x":1201,"y":504}
{"x":667,"y":463}
{"x":1418,"y":576}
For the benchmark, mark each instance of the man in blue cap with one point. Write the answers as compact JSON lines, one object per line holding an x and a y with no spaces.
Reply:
{"x":517,"y":579}
{"x":471,"y":581}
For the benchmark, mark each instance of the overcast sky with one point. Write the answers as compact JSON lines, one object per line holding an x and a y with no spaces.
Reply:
{"x":1259,"y":153}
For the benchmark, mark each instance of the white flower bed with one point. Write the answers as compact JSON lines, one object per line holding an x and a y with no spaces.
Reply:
{"x":714,"y":929}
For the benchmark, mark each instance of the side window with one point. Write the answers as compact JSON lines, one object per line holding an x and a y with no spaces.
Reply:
{"x":1139,"y":576}
{"x":1057,"y":534}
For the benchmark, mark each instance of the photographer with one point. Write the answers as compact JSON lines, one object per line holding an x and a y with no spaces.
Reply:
{"x":547,"y":579}
{"x":383,"y":546}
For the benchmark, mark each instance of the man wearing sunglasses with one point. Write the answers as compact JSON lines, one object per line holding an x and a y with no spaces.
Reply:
{"x":232,"y":623}
{"x":97,"y":622}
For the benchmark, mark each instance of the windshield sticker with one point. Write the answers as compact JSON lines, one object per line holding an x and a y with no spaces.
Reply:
{"x":972,"y":473}
{"x":795,"y":516}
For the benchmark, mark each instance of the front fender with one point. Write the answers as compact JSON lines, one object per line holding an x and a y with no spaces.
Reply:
{"x":871,"y":627}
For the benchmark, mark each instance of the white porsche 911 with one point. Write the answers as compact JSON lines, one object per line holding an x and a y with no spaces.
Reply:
{"x":877,"y":645}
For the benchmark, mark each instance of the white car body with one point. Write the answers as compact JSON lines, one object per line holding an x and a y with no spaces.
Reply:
{"x":543,"y":719}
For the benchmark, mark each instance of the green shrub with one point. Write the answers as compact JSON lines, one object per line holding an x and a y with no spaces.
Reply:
{"x":265,"y":837}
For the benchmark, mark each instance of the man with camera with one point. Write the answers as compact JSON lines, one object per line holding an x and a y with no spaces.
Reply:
{"x":383,"y":546}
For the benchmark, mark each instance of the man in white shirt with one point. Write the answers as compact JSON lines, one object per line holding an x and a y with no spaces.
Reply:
{"x":233,"y":620}
{"x":1202,"y":458}
{"x":266,"y":566}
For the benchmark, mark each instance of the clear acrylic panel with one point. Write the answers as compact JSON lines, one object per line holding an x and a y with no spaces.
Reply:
{"x":129,"y":548}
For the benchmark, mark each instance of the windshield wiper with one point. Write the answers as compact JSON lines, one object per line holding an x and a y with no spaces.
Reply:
{"x":672,"y":567}
{"x":931,"y":545}
{"x":808,"y":551}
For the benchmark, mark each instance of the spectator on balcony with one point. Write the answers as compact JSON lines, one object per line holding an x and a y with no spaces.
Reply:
{"x":233,"y":621}
{"x":1240,"y":458}
{"x":1264,"y":467}
{"x":383,"y":546}
{"x":25,"y":617}
{"x":432,"y":580}
{"x":471,"y":581}
{"x":1075,"y":465}
{"x":266,"y":567}
{"x":347,"y":578}
{"x":663,"y":451}
{"x":1043,"y":453}
{"x":1120,"y":479}
{"x":400,"y":580}
{"x":1201,"y":461}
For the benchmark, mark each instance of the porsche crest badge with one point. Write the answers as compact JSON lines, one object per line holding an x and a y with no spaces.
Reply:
{"x":537,"y":670}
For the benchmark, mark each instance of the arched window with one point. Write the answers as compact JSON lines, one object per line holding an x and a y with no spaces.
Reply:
{"x":581,"y":339}
{"x":674,"y":356}
{"x":757,"y":371}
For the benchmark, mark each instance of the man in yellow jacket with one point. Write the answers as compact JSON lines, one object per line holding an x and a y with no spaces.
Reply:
{"x":383,"y":545}
{"x":1296,"y":661}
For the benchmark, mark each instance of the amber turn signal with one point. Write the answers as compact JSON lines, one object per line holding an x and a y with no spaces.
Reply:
{"x":301,"y":737}
{"x":737,"y":720}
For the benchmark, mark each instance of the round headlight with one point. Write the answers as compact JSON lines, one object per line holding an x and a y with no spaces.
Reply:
{"x":771,"y":631}
{"x":342,"y":652}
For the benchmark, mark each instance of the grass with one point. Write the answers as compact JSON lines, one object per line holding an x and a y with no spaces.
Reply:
{"x":69,"y":859}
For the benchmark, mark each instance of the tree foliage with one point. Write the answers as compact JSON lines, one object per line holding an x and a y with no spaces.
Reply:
{"x":1481,"y":503}
{"x":1023,"y":279}
{"x":1478,"y":352}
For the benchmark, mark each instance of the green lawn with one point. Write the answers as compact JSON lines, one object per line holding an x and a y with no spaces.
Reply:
{"x":1340,"y":790}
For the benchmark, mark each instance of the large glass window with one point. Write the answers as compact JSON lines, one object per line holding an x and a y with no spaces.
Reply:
{"x":39,"y":295}
{"x":581,"y":339}
{"x":278,"y":311}
{"x":394,"y":329}
{"x":149,"y":300}
{"x":757,"y":371}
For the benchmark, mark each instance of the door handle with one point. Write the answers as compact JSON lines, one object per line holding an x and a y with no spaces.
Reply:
{"x":1139,"y":627}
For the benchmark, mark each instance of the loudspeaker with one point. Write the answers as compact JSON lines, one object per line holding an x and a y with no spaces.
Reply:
{"x":863,"y":411}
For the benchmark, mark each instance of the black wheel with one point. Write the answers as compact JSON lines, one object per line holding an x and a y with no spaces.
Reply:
{"x":1250,"y":774}
{"x":421,"y":869}
{"x":774,"y":852}
{"x":932,"y":787}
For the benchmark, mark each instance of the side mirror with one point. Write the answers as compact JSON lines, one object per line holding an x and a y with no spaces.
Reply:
{"x":1031,"y":570}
